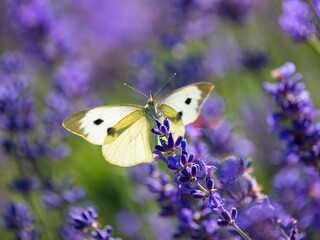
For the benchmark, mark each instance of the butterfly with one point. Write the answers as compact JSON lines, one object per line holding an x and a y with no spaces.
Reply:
{"x":124,"y":131}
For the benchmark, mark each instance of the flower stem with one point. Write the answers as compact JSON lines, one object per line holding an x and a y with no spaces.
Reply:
{"x":315,"y":43}
{"x":240,"y":231}
{"x":201,"y":187}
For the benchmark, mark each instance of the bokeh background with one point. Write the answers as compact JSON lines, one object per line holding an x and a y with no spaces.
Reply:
{"x":70,"y":55}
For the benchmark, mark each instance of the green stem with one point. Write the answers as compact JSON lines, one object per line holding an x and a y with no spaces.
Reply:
{"x":240,"y":231}
{"x":201,"y":187}
{"x":315,"y":43}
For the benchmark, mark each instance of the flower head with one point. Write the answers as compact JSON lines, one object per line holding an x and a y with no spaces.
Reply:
{"x":297,"y":20}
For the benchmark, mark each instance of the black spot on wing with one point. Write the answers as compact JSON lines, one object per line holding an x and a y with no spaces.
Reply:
{"x":188,"y":101}
{"x":179,"y":116}
{"x":98,"y":121}
{"x":110,"y":131}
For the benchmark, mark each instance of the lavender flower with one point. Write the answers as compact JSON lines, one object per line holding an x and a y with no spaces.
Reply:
{"x":296,"y":189}
{"x":189,"y":172}
{"x":105,"y":234}
{"x":297,"y":20}
{"x":17,"y":218}
{"x":295,"y":116}
{"x":42,"y":33}
{"x":82,"y":222}
{"x":83,"y":218}
{"x":253,"y":60}
{"x":234,"y":10}
{"x":23,"y":184}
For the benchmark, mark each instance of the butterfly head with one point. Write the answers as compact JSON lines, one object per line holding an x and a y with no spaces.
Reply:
{"x":151,"y":99}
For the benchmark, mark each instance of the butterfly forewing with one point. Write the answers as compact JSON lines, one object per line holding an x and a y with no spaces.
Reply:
{"x":130,"y":141}
{"x":187,"y":101}
{"x":93,"y":124}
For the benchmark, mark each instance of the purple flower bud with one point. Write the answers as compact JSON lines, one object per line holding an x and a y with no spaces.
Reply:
{"x":74,"y":195}
{"x":183,"y":179}
{"x":164,"y":145}
{"x":164,"y":178}
{"x":160,"y":148}
{"x":288,"y":69}
{"x":222,"y":223}
{"x":209,"y":183}
{"x":158,"y":123}
{"x":183,"y":144}
{"x":156,"y":131}
{"x":166,"y":123}
{"x":198,"y":194}
{"x":82,"y":218}
{"x":194,"y":171}
{"x":215,"y":200}
{"x":104,"y":234}
{"x":186,"y":218}
{"x":185,"y":172}
{"x":16,"y":216}
{"x":190,"y":157}
{"x":225,"y":215}
{"x":183,"y":160}
{"x":234,"y":213}
{"x":153,"y":185}
{"x":178,"y":141}
{"x":170,"y":141}
{"x":163,"y":129}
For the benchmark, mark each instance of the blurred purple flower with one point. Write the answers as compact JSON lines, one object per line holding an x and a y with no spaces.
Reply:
{"x":82,"y":218}
{"x":297,"y":189}
{"x":297,"y":20}
{"x":42,"y":32}
{"x":234,"y":10}
{"x":294,"y":118}
{"x":72,"y":78}
{"x":17,"y":216}
{"x":254,"y":60}
{"x":73,"y":195}
{"x":129,"y":224}
{"x":23,"y":184}
{"x":29,"y":234}
{"x":51,"y":200}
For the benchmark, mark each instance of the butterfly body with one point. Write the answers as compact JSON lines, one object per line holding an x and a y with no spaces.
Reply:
{"x":151,"y":109}
{"x":124,"y":131}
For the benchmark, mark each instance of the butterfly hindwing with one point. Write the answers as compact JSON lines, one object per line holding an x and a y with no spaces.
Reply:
{"x":130,"y":141}
{"x":93,"y":124}
{"x":187,"y":101}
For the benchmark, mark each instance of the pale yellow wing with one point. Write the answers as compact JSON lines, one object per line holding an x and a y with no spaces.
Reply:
{"x":130,"y":141}
{"x":93,"y":124}
{"x":176,"y":123}
{"x":187,"y":101}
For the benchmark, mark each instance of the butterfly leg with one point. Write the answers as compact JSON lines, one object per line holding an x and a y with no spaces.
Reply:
{"x":161,"y":114}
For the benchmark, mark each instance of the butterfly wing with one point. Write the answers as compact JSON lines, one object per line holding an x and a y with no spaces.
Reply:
{"x":176,"y":123}
{"x":130,"y":141}
{"x":93,"y":124}
{"x":187,"y":101}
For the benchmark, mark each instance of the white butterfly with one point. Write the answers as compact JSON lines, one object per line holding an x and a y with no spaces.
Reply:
{"x":124,"y":131}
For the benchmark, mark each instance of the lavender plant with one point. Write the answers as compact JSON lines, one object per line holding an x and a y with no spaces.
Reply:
{"x":193,"y":179}
{"x":82,"y":223}
{"x":295,"y":121}
{"x":295,"y":117}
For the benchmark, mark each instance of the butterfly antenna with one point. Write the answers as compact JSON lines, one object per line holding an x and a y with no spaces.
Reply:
{"x":135,"y":90}
{"x":166,"y":83}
